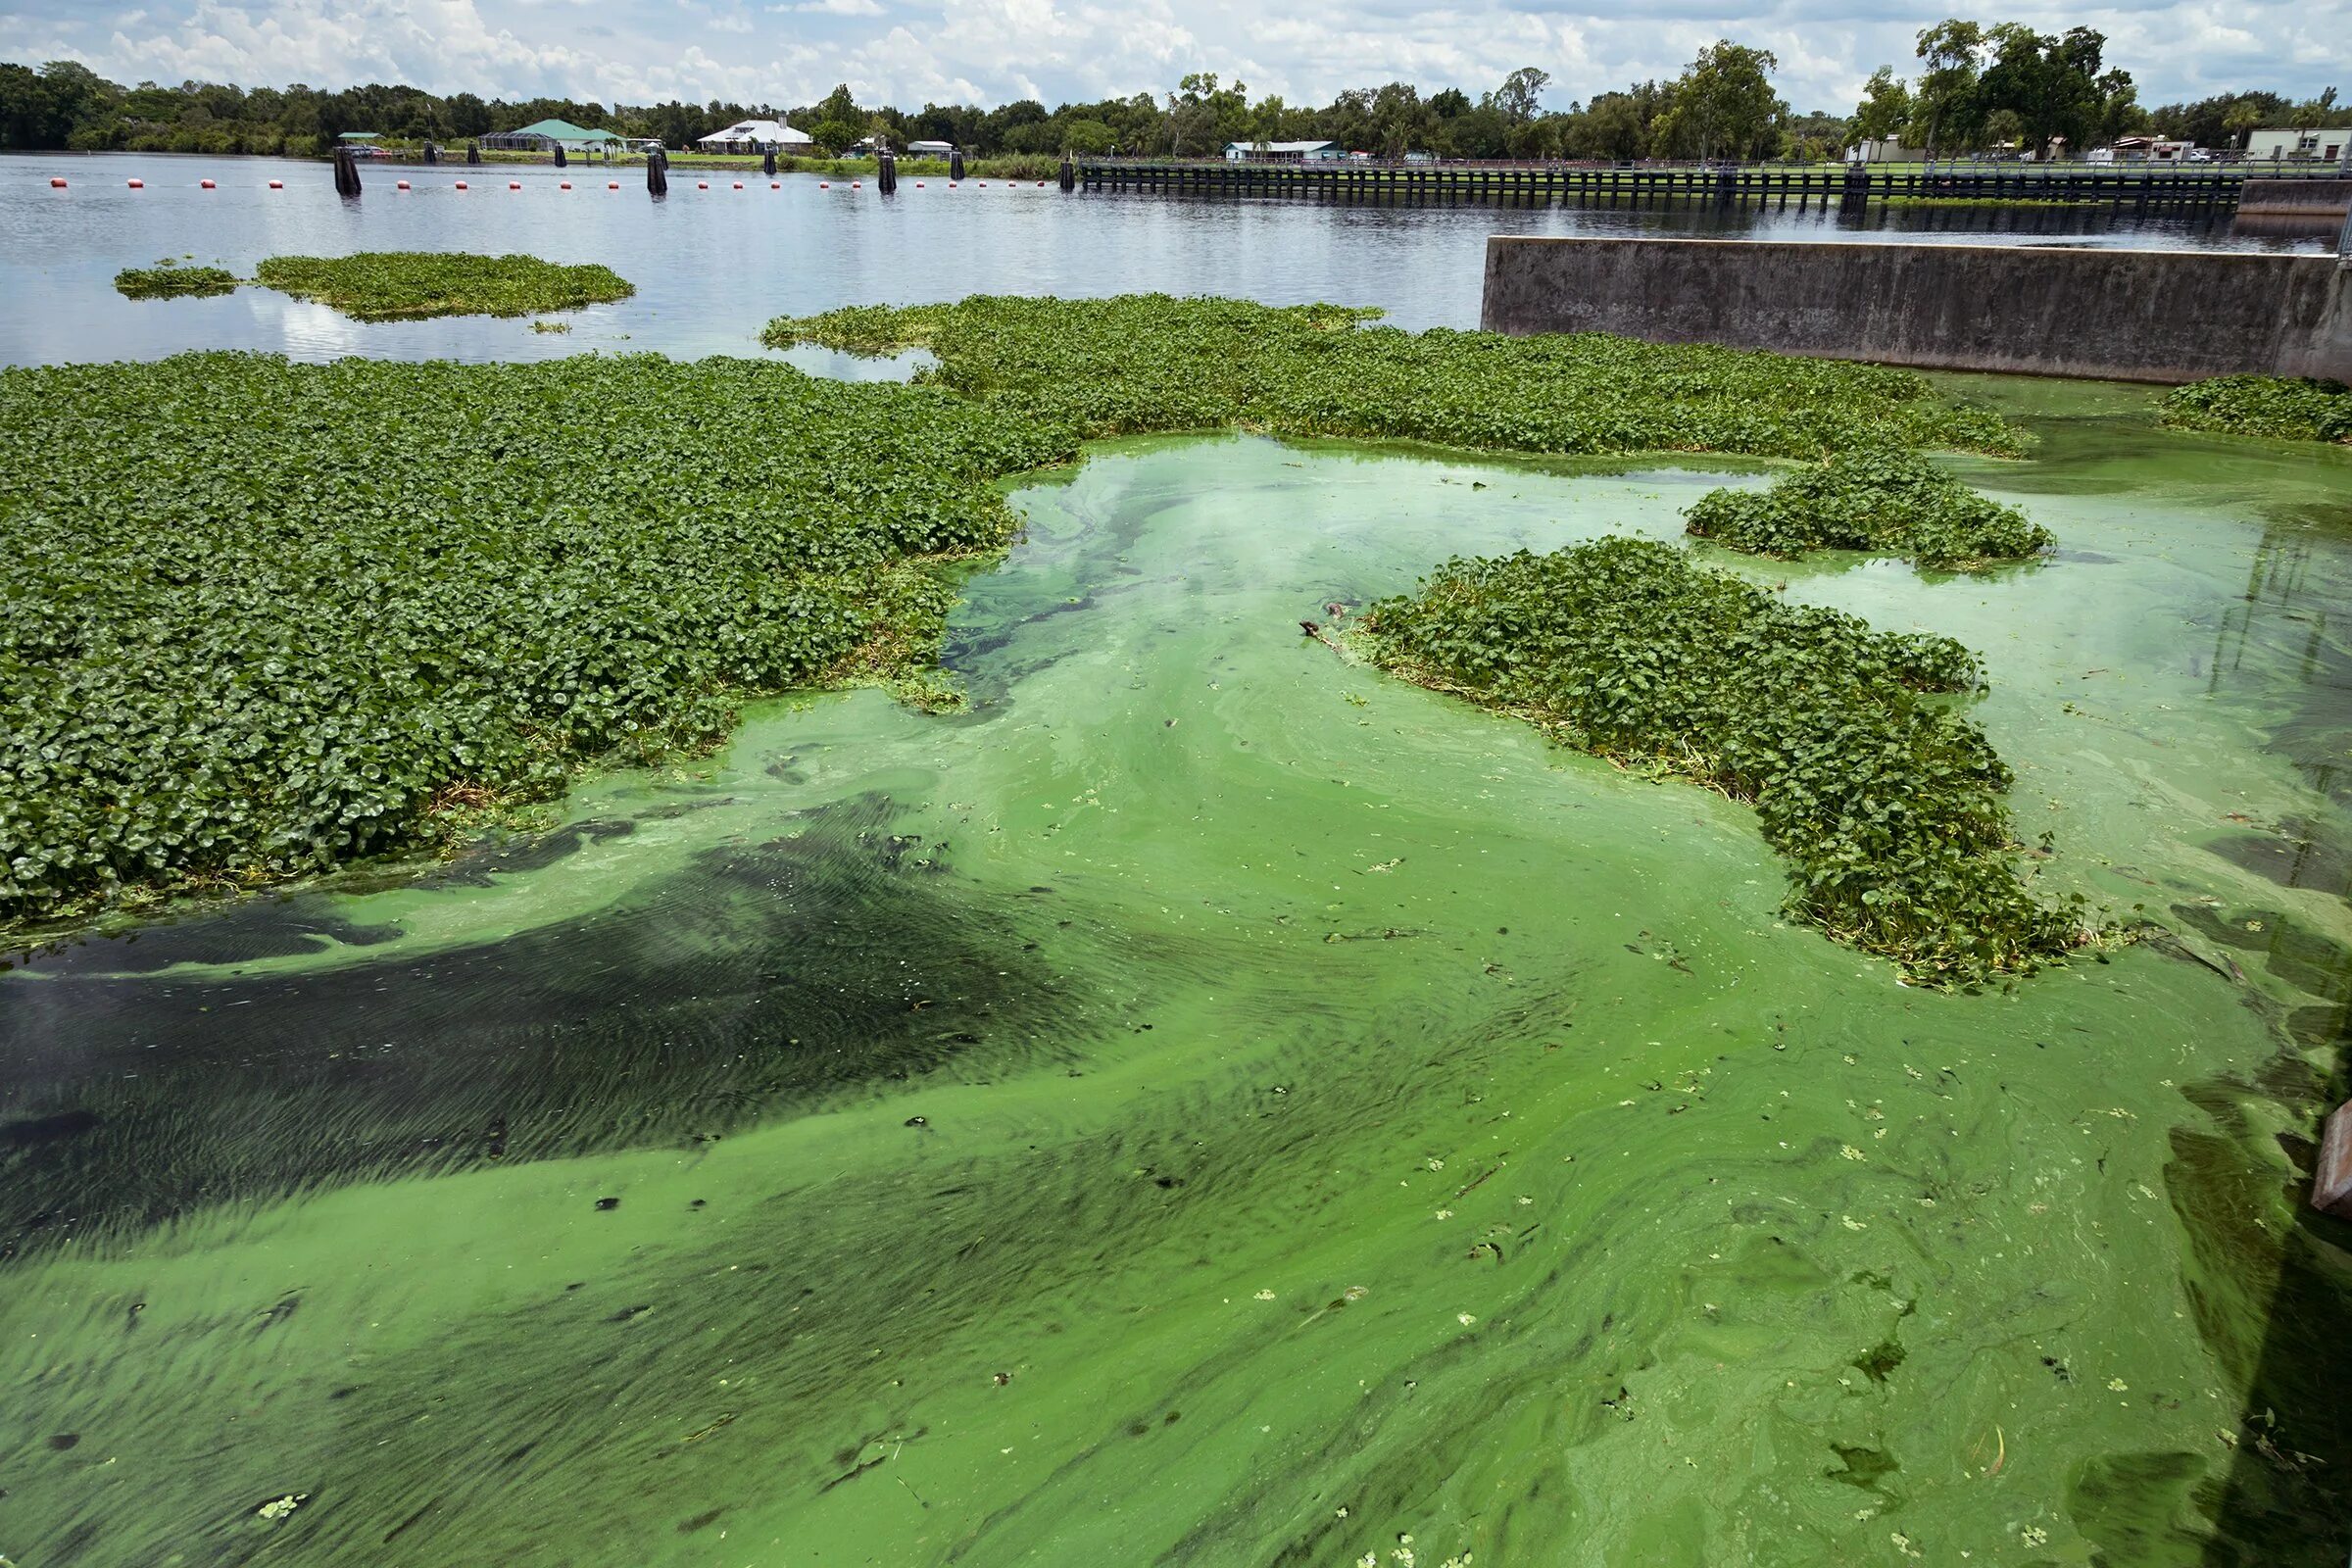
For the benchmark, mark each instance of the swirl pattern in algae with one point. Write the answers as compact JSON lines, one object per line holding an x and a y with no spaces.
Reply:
{"x":1210,"y":1103}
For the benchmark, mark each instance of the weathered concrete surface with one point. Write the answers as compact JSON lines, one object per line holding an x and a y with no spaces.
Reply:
{"x":2319,"y":198}
{"x":2137,"y":316}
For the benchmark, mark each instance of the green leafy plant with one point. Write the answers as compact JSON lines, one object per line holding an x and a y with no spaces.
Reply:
{"x":1886,"y":501}
{"x":394,"y":285}
{"x":169,"y":280}
{"x":2281,"y":407}
{"x":1887,"y":806}
{"x":1144,"y":363}
{"x":258,"y":619}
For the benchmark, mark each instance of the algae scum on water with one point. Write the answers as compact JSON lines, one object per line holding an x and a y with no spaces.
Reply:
{"x":1201,"y":1099}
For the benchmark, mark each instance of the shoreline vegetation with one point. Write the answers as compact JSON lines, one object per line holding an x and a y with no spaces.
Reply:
{"x":1886,"y":807}
{"x":398,"y":600}
{"x":2277,"y":407}
{"x":400,"y":285}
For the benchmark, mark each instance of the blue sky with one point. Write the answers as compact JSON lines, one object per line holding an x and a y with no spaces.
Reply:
{"x":988,"y":51}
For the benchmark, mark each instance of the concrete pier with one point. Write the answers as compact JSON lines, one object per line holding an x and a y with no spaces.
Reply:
{"x":2124,"y":315}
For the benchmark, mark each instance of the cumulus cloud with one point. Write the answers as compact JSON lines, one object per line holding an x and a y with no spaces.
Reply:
{"x":910,"y":51}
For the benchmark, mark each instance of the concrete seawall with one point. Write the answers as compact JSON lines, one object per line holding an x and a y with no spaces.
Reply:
{"x":2136,"y":316}
{"x":2319,"y":198}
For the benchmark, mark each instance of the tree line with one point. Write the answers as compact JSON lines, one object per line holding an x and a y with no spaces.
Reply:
{"x":1977,"y":87}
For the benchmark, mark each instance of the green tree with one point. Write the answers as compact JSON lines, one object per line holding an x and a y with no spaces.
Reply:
{"x":1945,"y":109}
{"x":1884,"y":110}
{"x":1724,"y":105}
{"x":1520,"y":98}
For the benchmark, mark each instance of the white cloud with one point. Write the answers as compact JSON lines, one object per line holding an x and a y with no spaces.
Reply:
{"x":992,"y":50}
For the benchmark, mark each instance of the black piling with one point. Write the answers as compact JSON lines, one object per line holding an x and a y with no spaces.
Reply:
{"x":656,"y":172}
{"x":473,"y":152}
{"x":887,"y":180}
{"x":955,"y":164}
{"x":432,"y":153}
{"x":560,"y":164}
{"x":1856,"y":196}
{"x":768,"y":163}
{"x":1069,"y":174}
{"x":347,"y":173}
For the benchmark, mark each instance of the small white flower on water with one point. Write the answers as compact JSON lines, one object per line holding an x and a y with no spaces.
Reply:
{"x":2119,"y":1386}
{"x":1265,"y":1295}
{"x":1852,"y":1152}
{"x":1465,"y":1319}
{"x":1444,"y":1213}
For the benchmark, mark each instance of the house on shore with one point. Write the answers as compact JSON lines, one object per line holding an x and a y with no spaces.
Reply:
{"x":758,"y":136}
{"x":930,"y":149}
{"x":546,"y":135}
{"x":1281,"y":152}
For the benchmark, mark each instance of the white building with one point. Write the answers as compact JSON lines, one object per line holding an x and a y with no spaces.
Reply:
{"x":2325,"y":145}
{"x":757,"y":136}
{"x":1281,"y":152}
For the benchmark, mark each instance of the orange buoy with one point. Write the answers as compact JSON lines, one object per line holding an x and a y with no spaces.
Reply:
{"x":739,"y":184}
{"x":203,"y":184}
{"x":513,"y":184}
{"x":702,"y":184}
{"x":399,"y":184}
{"x":564,"y":184}
{"x":136,"y":184}
{"x":57,"y":184}
{"x":822,"y":184}
{"x":776,"y":184}
{"x":275,"y":184}
{"x":611,"y":184}
{"x":461,"y":184}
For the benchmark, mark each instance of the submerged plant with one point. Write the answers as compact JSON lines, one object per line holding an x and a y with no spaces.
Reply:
{"x":2280,"y":406}
{"x":1886,"y":807}
{"x":1143,"y":363}
{"x":1882,"y":500}
{"x":393,"y":286}
{"x":169,"y":280}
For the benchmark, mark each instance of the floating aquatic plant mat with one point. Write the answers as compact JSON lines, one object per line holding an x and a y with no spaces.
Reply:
{"x":1887,"y":502}
{"x":1888,"y":808}
{"x":400,"y":285}
{"x":172,"y":280}
{"x":1144,"y":363}
{"x":396,"y":285}
{"x":269,"y":618}
{"x":2283,"y":408}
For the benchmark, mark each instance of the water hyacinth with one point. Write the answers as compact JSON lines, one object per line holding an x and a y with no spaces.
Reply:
{"x":2283,"y":408}
{"x":1887,"y":806}
{"x":262,"y":618}
{"x":1143,"y":363}
{"x":172,"y":280}
{"x":399,"y":286}
{"x":1885,"y":501}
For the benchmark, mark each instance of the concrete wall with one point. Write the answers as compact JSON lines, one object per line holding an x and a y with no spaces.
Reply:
{"x":2140,"y":316}
{"x":2319,"y":197}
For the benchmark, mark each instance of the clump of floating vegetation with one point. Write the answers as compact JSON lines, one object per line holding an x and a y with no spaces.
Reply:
{"x":1882,"y":500}
{"x":397,"y":285}
{"x":172,"y":280}
{"x":392,"y":593}
{"x":1886,"y":807}
{"x":1144,"y":363}
{"x":2283,"y":408}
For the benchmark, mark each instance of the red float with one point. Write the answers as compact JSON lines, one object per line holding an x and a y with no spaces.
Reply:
{"x":277,"y":184}
{"x":702,"y":184}
{"x":136,"y":184}
{"x":399,"y":184}
{"x":564,"y":184}
{"x":57,"y":184}
{"x":513,"y":184}
{"x":461,"y":184}
{"x":203,"y":184}
{"x":611,"y":184}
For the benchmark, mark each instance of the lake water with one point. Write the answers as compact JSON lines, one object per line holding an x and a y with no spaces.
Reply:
{"x":712,"y":267}
{"x":1209,"y":1104}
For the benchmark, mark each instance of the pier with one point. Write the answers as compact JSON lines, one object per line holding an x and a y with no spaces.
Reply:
{"x":2139,"y":190}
